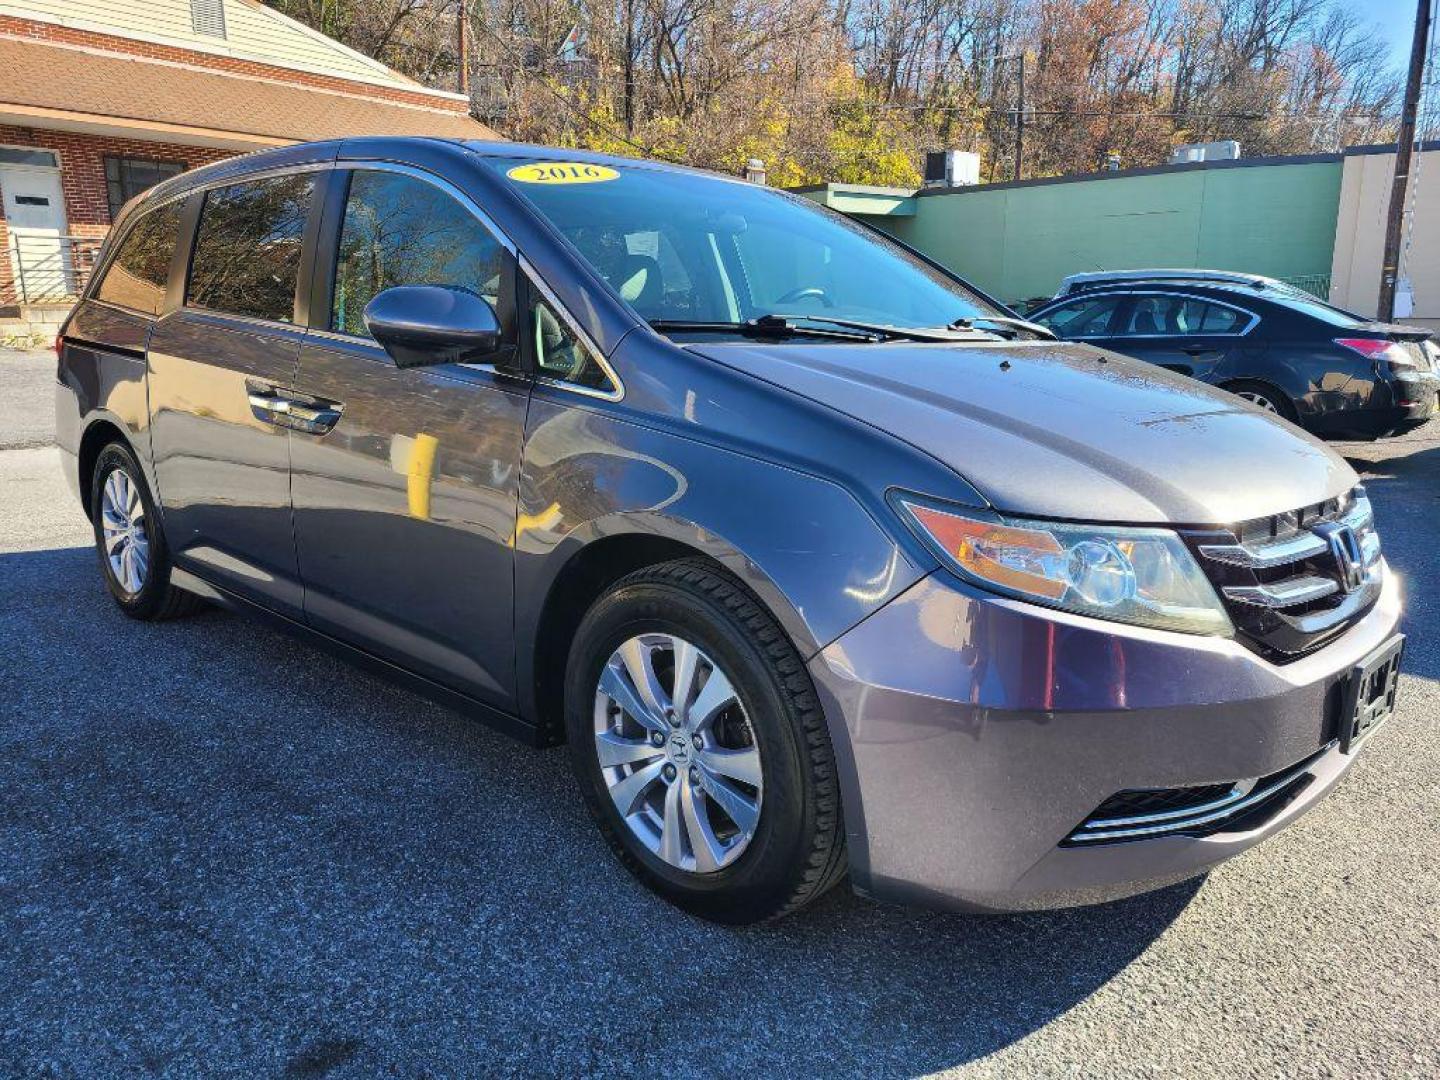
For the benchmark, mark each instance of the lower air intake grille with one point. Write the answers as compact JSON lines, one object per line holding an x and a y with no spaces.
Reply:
{"x":1204,"y":810}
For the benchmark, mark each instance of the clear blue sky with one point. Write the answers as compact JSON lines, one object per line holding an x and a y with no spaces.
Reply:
{"x":1396,"y":20}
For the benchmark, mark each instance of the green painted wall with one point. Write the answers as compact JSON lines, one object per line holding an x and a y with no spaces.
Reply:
{"x":1018,"y":242}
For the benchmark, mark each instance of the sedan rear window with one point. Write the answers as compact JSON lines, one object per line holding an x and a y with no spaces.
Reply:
{"x":1318,"y":309}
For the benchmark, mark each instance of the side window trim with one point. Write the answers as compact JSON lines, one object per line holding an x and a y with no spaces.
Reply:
{"x":547,"y":294}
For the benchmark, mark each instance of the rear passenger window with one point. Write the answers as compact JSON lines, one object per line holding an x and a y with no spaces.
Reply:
{"x":247,"y":250}
{"x":137,"y":274}
{"x":1180,"y":315}
{"x":400,"y":230}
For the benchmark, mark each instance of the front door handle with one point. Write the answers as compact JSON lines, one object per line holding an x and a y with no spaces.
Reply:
{"x":277,"y":407}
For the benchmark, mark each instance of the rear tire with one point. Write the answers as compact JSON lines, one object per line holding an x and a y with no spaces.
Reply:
{"x":1265,"y":397}
{"x":129,"y":541}
{"x":772,"y":733}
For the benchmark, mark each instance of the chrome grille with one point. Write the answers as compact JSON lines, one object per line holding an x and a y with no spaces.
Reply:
{"x":1146,"y":813}
{"x":1294,"y":580}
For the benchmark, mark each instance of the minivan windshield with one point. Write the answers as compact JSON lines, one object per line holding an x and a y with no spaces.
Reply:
{"x":683,"y":247}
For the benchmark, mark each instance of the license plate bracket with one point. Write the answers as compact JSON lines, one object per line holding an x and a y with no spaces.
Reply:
{"x":1369,"y":696}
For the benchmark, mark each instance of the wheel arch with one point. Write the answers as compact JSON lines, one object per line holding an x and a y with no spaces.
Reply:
{"x":582,"y":574}
{"x":99,"y":433}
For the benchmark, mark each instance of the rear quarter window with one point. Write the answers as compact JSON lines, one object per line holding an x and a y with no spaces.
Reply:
{"x":137,"y":275}
{"x":248,"y":247}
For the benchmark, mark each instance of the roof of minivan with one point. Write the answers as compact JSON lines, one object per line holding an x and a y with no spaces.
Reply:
{"x":487,"y":148}
{"x":302,"y":153}
{"x":311,"y":153}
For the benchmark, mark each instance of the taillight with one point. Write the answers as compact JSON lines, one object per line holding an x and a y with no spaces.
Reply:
{"x":59,"y":343}
{"x":1379,"y":349}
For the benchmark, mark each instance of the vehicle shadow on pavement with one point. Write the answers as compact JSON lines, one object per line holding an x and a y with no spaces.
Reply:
{"x":223,"y":851}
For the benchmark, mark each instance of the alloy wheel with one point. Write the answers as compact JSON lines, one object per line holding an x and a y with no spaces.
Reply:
{"x":122,"y":522}
{"x":1257,"y":398}
{"x":678,"y":753}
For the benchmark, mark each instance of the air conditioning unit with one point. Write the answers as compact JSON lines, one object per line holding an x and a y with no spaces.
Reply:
{"x":951,"y":168}
{"x":1189,"y":153}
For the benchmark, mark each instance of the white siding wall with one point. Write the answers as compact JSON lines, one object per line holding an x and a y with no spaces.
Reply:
{"x":253,"y":32}
{"x":1360,"y":235}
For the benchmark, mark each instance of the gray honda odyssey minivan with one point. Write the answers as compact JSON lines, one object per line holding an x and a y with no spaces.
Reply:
{"x":819,"y":560}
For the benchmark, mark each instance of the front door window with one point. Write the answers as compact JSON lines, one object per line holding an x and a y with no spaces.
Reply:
{"x":400,"y":230}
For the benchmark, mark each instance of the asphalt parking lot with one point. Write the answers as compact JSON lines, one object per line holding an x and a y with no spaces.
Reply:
{"x":223,"y":853}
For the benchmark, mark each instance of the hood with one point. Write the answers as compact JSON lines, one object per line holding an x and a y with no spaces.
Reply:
{"x":1064,"y":430}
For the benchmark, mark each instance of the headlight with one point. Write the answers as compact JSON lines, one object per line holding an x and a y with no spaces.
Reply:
{"x":1132,"y":575}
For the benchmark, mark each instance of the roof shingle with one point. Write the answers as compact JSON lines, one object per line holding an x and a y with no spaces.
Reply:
{"x":108,"y":85}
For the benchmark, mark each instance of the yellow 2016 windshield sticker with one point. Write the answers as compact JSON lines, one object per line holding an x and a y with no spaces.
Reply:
{"x":562,"y":172}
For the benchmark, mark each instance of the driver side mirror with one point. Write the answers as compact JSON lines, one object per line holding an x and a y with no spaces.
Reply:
{"x":419,"y":325}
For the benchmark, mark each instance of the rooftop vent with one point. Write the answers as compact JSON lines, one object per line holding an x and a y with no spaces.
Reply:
{"x":1188,"y":153}
{"x":951,"y":168}
{"x":208,"y":17}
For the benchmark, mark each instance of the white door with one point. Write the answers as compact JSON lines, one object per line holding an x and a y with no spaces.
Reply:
{"x":35,"y":212}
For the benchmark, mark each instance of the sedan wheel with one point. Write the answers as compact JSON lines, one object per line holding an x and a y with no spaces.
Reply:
{"x":677,"y":752}
{"x":1257,"y":398}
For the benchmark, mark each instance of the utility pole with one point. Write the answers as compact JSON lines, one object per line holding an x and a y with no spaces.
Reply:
{"x":629,"y":67}
{"x":1020,"y":120}
{"x":462,"y":48}
{"x":1404,"y":147}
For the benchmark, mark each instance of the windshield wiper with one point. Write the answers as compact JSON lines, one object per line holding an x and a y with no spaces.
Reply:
{"x":968,"y":321}
{"x":887,"y":330}
{"x":767,"y":326}
{"x":788,"y":325}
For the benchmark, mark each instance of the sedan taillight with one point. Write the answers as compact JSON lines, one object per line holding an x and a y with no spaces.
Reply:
{"x":1379,"y":349}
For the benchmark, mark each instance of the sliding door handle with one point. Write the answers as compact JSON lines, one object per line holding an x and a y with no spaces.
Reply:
{"x":312,"y":419}
{"x":266,"y":405}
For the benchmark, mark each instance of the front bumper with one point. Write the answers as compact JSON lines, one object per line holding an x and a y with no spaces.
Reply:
{"x":975,"y":733}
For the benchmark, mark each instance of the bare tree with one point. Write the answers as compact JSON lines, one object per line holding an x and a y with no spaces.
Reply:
{"x":858,"y":89}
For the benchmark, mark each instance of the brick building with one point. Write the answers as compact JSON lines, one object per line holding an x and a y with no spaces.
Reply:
{"x":99,"y":99}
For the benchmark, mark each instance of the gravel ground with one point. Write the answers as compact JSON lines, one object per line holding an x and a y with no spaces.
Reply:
{"x":225,"y":854}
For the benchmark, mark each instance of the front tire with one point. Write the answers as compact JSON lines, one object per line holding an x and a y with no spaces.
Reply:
{"x":700,"y":747}
{"x":129,"y":541}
